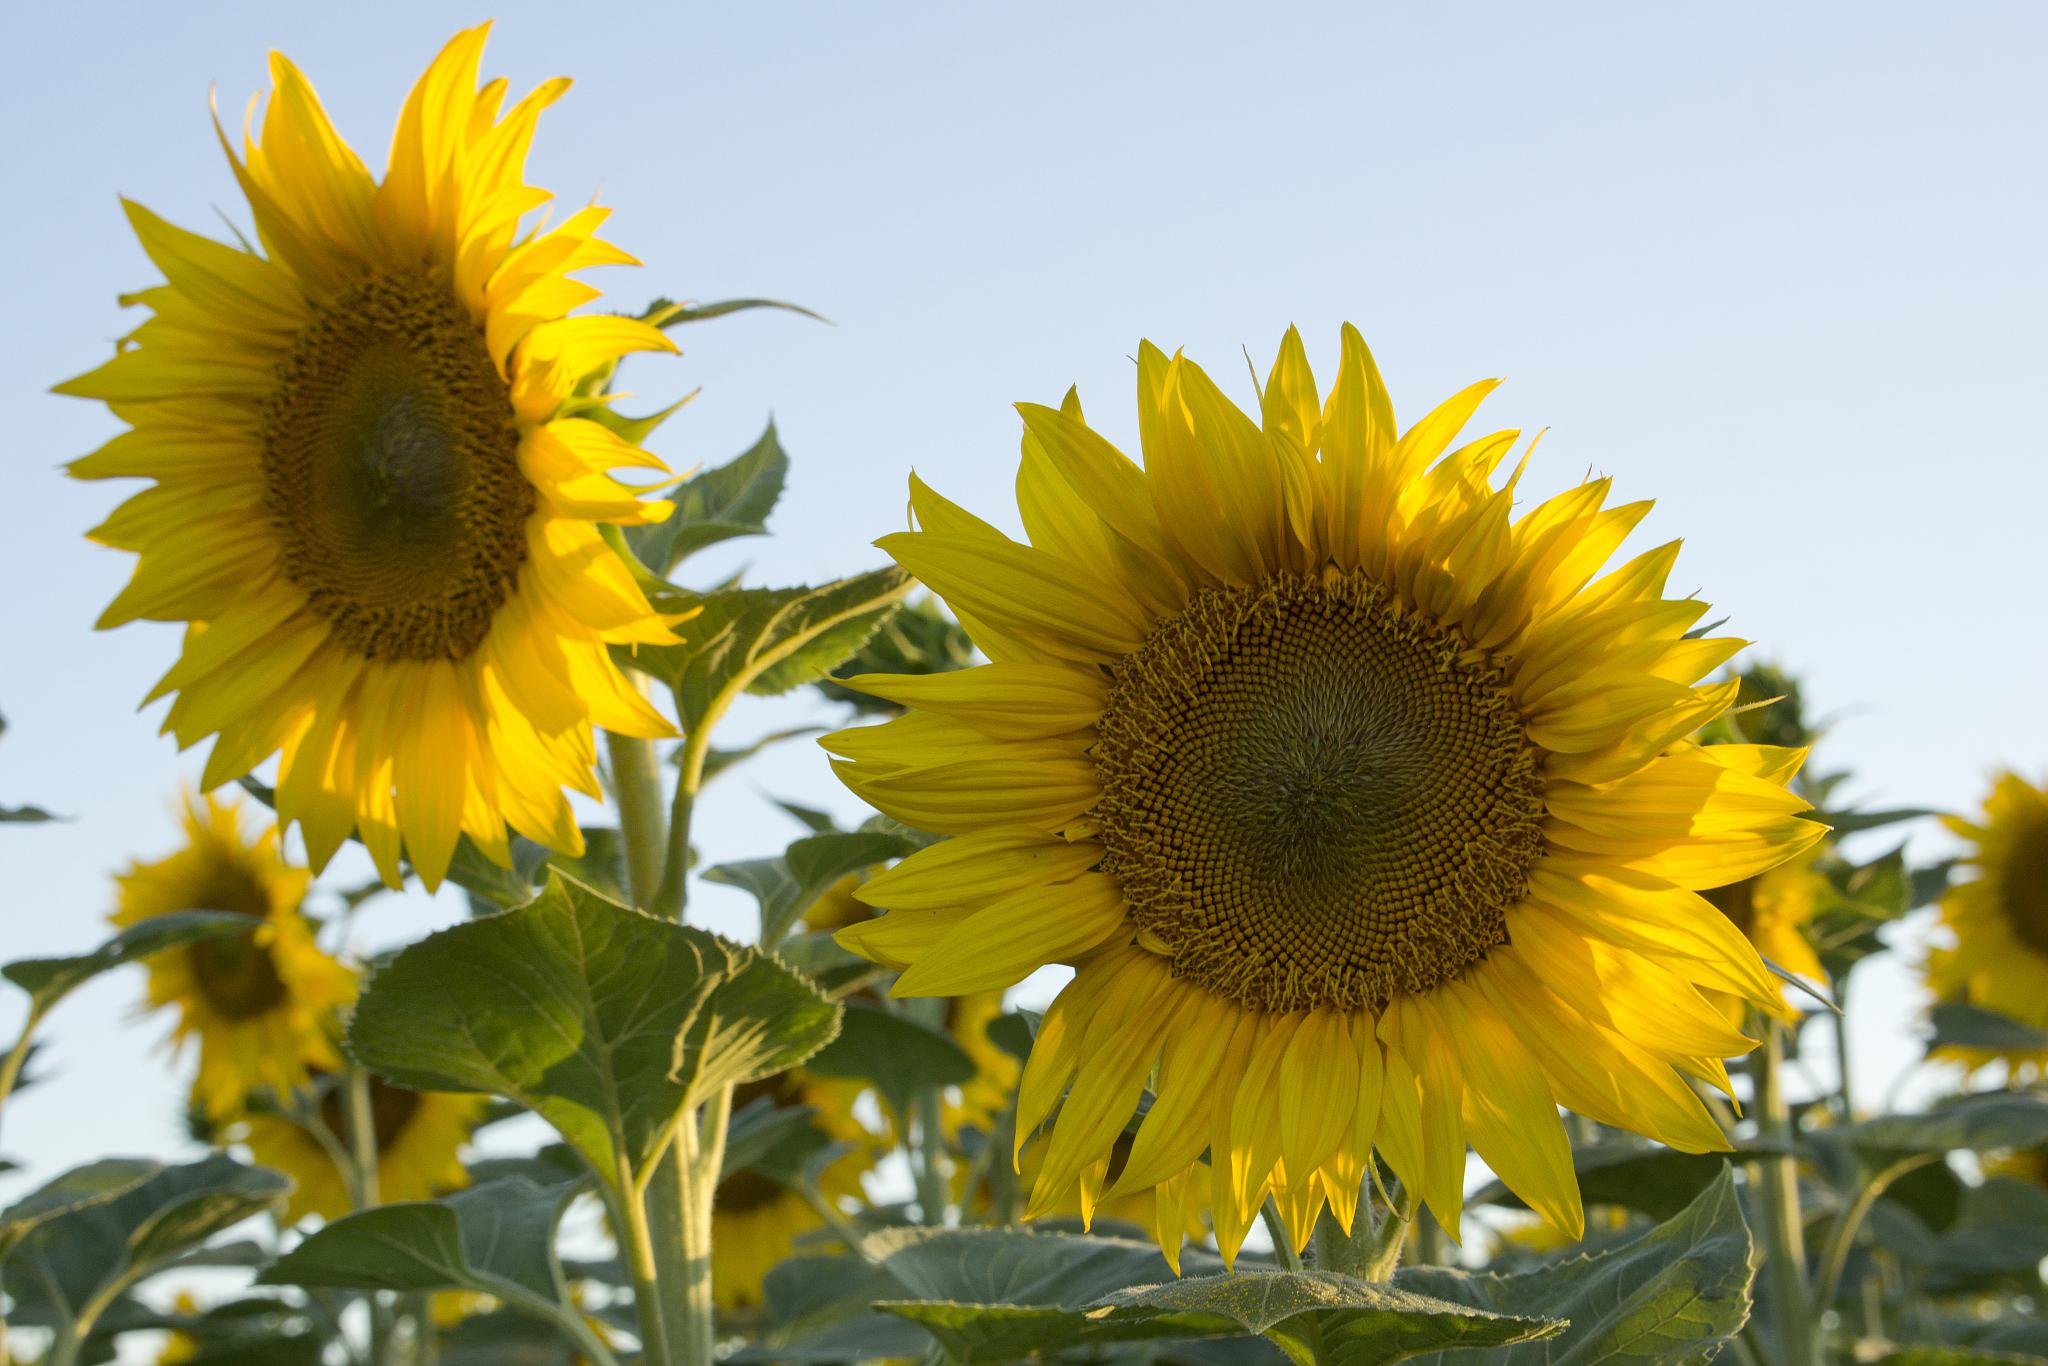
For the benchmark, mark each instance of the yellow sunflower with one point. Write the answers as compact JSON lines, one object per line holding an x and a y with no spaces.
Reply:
{"x":262,"y":1005}
{"x":756,"y":1222}
{"x":979,"y":1102}
{"x":1173,"y":1213}
{"x":377,"y":496}
{"x":1999,"y":919}
{"x":1773,"y":910}
{"x":1360,"y":808}
{"x":420,"y":1135}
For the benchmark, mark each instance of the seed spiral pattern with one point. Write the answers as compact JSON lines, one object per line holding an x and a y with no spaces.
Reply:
{"x":1314,"y":795}
{"x":391,"y":469}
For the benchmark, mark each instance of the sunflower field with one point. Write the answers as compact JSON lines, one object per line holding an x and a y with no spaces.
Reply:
{"x":1332,"y":889}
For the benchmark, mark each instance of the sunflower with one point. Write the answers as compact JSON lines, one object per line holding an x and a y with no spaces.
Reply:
{"x":1999,"y":919}
{"x":1171,"y":1214}
{"x":419,"y":1142}
{"x":377,"y":493}
{"x":1360,"y":809}
{"x":756,"y":1222}
{"x":1773,"y":910}
{"x":980,"y":1101}
{"x":261,"y":1005}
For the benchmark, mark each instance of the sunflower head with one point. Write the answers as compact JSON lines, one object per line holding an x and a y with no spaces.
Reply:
{"x":1358,"y":798}
{"x":419,"y":1136}
{"x":262,"y":1006}
{"x":1997,"y":921}
{"x":379,"y":478}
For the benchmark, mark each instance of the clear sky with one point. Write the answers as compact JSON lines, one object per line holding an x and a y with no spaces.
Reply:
{"x":1779,"y":268}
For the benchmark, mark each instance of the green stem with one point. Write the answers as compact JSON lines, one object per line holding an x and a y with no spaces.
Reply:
{"x":931,"y":1149}
{"x":636,"y":784}
{"x":1276,"y":1229}
{"x":10,"y":1070}
{"x":1845,"y":1106}
{"x":1431,"y":1247}
{"x":1784,"y":1231}
{"x":672,"y":897}
{"x":636,"y":1245}
{"x":1843,"y":1238}
{"x":363,"y":1193}
{"x":686,"y":1267}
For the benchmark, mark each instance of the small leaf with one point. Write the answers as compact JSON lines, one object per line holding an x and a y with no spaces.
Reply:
{"x":766,"y":640}
{"x":1856,"y":822}
{"x":717,"y":505}
{"x":113,"y":1230}
{"x":26,"y":815}
{"x":49,"y":980}
{"x":1675,"y":1295}
{"x":1981,"y":1122}
{"x":1958,"y":1025}
{"x":495,"y":1239}
{"x":787,"y":887}
{"x":899,"y":1055}
{"x":663,"y":313}
{"x":605,"y":1021}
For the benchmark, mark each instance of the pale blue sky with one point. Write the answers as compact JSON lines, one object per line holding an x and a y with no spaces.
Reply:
{"x":1779,"y":269}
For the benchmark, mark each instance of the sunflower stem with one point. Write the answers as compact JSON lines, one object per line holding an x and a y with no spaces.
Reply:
{"x":1276,"y":1229}
{"x":10,"y":1070}
{"x":931,"y":1148}
{"x":672,"y":897}
{"x":636,"y":784}
{"x":1845,"y":1105}
{"x":1784,"y":1232}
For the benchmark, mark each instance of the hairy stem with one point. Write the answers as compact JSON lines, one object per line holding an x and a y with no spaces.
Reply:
{"x":636,"y":784}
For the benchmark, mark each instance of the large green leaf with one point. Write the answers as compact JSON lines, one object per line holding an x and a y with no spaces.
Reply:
{"x":993,"y":1295}
{"x":821,"y":1311}
{"x":100,"y":1230}
{"x":49,"y":980}
{"x":1981,"y":1122}
{"x":788,"y":886}
{"x":1675,"y":1295}
{"x":899,"y":1055}
{"x":605,"y":1021}
{"x":2001,"y":1228}
{"x":732,"y":500}
{"x":494,"y":1239}
{"x":767,"y":640}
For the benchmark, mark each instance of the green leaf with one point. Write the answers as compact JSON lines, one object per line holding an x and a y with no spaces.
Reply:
{"x":1957,"y":1356}
{"x":1957,"y":1025}
{"x":49,"y":980}
{"x":898,"y":1054}
{"x":26,"y":815}
{"x":994,"y":1295}
{"x":766,"y":640}
{"x":920,"y":639}
{"x":494,"y":1239}
{"x":821,"y":1311}
{"x":787,"y":887}
{"x":1675,"y":1295}
{"x":1658,"y":1182}
{"x":717,"y":505}
{"x":717,"y":761}
{"x":95,"y":1230}
{"x":1981,"y":1122}
{"x":1856,"y":822}
{"x":605,"y":1021}
{"x":663,"y":313}
{"x":2002,"y":1228}
{"x":1321,"y":1317}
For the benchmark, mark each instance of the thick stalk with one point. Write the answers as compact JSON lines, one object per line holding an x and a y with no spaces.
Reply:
{"x":686,"y":1271}
{"x":1785,"y":1233}
{"x":636,"y":784}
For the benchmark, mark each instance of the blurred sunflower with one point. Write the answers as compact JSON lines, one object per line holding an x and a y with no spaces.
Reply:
{"x":1773,"y":911}
{"x":376,"y":495}
{"x":756,"y":1222}
{"x":1999,"y":919}
{"x":1362,"y":818}
{"x":979,"y":1102}
{"x":420,"y":1135}
{"x":262,"y":1005}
